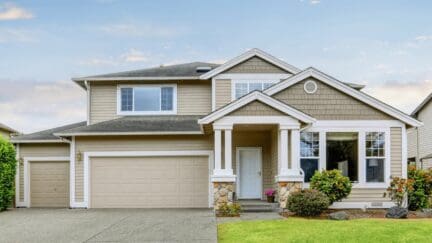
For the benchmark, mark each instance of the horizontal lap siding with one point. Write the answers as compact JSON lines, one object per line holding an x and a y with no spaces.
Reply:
{"x":222,"y":92}
{"x":396,"y":151}
{"x":39,"y":150}
{"x":327,"y":103}
{"x":425,"y":134}
{"x":193,"y":98}
{"x":367,"y":195}
{"x":134,"y":143}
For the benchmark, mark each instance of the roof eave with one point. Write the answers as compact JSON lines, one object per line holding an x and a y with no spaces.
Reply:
{"x":127,"y":133}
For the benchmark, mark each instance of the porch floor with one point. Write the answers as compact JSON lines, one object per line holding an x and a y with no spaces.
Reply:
{"x":256,"y":205}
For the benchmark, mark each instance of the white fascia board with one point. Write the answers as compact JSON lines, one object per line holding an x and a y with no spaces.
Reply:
{"x":311,"y":72}
{"x":135,"y":78}
{"x":256,"y":95}
{"x":243,"y":57}
{"x":128,"y":133}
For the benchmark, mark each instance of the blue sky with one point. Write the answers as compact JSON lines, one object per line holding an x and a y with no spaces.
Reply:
{"x":386,"y":45}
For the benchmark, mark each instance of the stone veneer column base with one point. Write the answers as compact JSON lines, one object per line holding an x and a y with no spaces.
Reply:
{"x":285,"y":188}
{"x":222,"y":193}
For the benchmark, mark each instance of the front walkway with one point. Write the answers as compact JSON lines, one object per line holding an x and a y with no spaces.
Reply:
{"x":108,"y":225}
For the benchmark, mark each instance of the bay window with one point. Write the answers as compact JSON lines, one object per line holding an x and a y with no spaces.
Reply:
{"x":309,"y":153}
{"x":147,"y":99}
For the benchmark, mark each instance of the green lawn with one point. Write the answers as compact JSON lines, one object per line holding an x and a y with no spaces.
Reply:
{"x":313,"y":230}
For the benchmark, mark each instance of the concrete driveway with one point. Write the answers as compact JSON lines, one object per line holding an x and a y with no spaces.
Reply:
{"x":108,"y":225}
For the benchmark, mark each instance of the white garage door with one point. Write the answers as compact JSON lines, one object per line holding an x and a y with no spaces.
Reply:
{"x":149,"y":182}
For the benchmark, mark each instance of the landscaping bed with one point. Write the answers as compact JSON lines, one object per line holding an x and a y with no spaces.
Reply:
{"x":360,"y":214}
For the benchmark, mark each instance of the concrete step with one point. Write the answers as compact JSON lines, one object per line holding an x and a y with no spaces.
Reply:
{"x":258,"y":206}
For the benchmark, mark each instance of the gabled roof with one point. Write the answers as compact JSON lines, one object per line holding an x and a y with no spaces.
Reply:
{"x":45,"y":136}
{"x":422,"y":104}
{"x":312,"y":72}
{"x":139,"y":125}
{"x":7,"y":128}
{"x":247,"y":55}
{"x":183,"y":71}
{"x":253,"y":96}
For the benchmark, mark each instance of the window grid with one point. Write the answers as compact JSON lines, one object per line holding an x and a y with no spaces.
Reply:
{"x":375,"y":156}
{"x":126,"y":99}
{"x":245,"y":87}
{"x":309,"y":153}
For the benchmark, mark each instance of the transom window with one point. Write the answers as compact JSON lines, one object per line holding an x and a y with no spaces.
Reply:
{"x":147,"y":99}
{"x":242,"y":88}
{"x":309,"y":153}
{"x":375,"y":156}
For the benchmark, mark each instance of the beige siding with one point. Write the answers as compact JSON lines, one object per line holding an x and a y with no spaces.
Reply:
{"x":149,"y":182}
{"x":193,"y":98}
{"x":39,"y":150}
{"x":255,"y":65}
{"x":412,"y":142}
{"x":49,"y":184}
{"x":425,"y":133}
{"x":328,"y":103}
{"x":396,"y":151}
{"x":134,"y":143}
{"x":374,"y":195}
{"x":256,"y":108}
{"x":222,"y":92}
{"x":4,"y":134}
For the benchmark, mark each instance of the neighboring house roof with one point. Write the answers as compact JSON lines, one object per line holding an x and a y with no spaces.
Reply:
{"x":255,"y":52}
{"x":45,"y":136}
{"x":7,"y":128}
{"x":179,"y":71}
{"x":139,"y":125}
{"x":253,"y":96}
{"x":333,"y":82}
{"x":422,"y":104}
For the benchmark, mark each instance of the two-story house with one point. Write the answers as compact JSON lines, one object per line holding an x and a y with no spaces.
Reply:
{"x":199,"y":134}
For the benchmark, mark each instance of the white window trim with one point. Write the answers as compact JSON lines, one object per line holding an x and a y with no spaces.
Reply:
{"x":361,"y":153}
{"x":140,"y":113}
{"x":253,"y":80}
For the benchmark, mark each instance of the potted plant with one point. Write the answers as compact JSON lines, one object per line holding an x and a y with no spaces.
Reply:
{"x":270,"y":193}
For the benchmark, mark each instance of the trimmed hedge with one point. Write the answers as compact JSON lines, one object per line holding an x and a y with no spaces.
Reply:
{"x":7,"y":173}
{"x":332,"y":183}
{"x":307,"y":202}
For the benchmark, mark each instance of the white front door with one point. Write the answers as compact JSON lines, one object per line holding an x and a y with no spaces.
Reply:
{"x":249,"y":184}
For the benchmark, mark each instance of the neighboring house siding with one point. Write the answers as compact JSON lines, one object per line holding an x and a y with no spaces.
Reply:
{"x":412,"y":143}
{"x":255,"y":65}
{"x":396,"y":151}
{"x":425,"y":133}
{"x":39,"y":150}
{"x":4,"y":134}
{"x":222,"y":92}
{"x":256,"y":108}
{"x":327,"y":103}
{"x":193,"y":98}
{"x":134,"y":143}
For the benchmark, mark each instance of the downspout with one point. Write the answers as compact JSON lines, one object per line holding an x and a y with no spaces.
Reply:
{"x":88,"y":100}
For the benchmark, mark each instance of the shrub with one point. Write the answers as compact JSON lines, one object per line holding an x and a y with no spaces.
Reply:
{"x":398,"y":190}
{"x":332,"y":183}
{"x":229,"y":210}
{"x":421,"y":191}
{"x":308,"y":202}
{"x":7,"y":173}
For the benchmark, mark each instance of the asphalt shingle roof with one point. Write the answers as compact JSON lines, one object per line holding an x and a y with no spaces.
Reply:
{"x":46,"y":134}
{"x":137,"y":124}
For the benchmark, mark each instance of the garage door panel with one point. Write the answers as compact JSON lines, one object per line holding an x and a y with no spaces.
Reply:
{"x":49,"y":184}
{"x":149,"y":182}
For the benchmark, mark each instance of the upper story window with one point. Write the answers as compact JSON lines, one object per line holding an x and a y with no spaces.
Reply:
{"x":243,"y":87}
{"x":147,"y":99}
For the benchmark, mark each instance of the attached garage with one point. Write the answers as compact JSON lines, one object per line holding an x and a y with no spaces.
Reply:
{"x":49,"y":183}
{"x":149,"y":182}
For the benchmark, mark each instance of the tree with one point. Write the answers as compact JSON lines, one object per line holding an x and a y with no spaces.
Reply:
{"x":7,"y":173}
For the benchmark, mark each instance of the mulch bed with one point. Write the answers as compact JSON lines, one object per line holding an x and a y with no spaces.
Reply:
{"x":360,"y":214}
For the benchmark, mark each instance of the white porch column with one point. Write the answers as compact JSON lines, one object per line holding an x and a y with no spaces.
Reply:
{"x":283,"y":148}
{"x":295,"y":150}
{"x":228,"y":152}
{"x":218,"y":151}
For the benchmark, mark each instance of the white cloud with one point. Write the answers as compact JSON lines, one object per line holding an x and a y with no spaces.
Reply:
{"x":423,"y":38}
{"x":100,"y":62}
{"x":134,"y":55}
{"x":403,"y":95}
{"x":16,"y":35}
{"x":9,"y":11}
{"x":314,"y":2}
{"x":131,"y":56}
{"x":142,"y":30}
{"x":29,"y":106}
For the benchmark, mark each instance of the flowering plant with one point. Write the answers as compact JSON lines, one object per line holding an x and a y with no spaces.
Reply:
{"x":269,"y":192}
{"x":398,"y":190}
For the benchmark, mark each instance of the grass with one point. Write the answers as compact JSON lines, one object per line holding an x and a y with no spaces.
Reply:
{"x":315,"y":230}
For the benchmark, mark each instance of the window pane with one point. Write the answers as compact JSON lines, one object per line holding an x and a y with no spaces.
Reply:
{"x":266,"y":85}
{"x":374,"y":170}
{"x":309,"y":166}
{"x":126,"y":99}
{"x":240,"y":89}
{"x":167,"y":98}
{"x":255,"y":86}
{"x":147,"y":99}
{"x":342,"y":153}
{"x":309,"y":144}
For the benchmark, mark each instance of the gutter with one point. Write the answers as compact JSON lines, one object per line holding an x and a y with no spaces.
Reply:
{"x":127,"y":133}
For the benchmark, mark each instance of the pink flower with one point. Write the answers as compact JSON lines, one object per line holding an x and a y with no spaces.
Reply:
{"x":269,"y":192}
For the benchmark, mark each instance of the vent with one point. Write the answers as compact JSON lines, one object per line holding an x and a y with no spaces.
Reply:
{"x":203,"y":69}
{"x":310,"y":87}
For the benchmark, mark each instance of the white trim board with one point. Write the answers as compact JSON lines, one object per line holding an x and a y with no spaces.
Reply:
{"x":87,"y":155}
{"x":27,"y":161}
{"x":312,"y":72}
{"x":256,"y":95}
{"x":245,"y":56}
{"x":361,"y":205}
